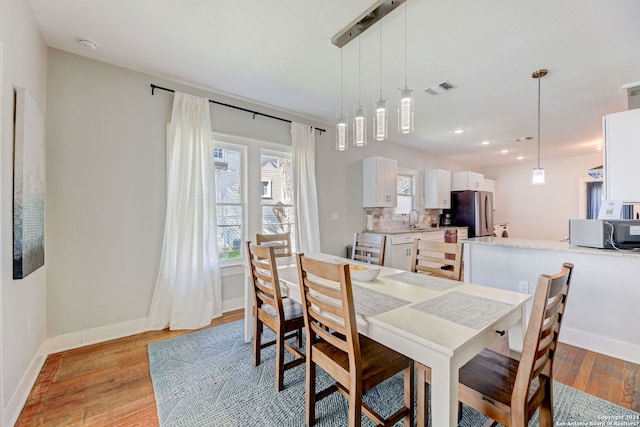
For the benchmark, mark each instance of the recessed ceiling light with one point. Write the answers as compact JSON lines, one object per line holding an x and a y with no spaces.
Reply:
{"x":520,"y":158}
{"x":458,"y":131}
{"x":599,"y":147}
{"x":505,"y":151}
{"x":485,"y":142}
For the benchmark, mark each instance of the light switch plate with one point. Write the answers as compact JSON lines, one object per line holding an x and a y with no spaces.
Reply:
{"x":334,"y":216}
{"x":523,"y":287}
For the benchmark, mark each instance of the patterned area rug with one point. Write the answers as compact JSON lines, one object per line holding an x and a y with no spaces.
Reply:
{"x":207,"y":378}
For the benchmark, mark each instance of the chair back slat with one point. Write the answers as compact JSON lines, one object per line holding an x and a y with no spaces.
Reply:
{"x":369,"y":248}
{"x":441,"y":259}
{"x":542,"y":333}
{"x":281,"y":243}
{"x":328,"y":309}
{"x":264,"y":275}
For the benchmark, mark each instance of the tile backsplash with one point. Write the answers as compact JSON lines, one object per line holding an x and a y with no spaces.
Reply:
{"x":385,"y":219}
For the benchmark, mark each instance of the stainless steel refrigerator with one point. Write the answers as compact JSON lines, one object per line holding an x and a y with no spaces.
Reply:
{"x":473,"y":209}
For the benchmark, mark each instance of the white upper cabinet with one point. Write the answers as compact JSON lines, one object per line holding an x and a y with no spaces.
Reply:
{"x":621,"y":153}
{"x":437,"y":189}
{"x":467,"y":180}
{"x":380,"y":181}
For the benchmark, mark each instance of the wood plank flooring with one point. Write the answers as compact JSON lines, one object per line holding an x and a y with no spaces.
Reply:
{"x":108,"y":384}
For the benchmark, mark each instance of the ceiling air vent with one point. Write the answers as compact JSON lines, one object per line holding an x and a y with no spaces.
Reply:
{"x":634,"y":97}
{"x":441,"y":88}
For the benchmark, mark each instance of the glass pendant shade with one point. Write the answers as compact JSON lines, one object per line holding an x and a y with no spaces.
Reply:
{"x":341,"y":133}
{"x":360,"y":128}
{"x":380,"y":121}
{"x":537,"y":176}
{"x":405,"y":111}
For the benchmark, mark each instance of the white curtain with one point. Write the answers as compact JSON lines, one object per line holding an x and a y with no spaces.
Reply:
{"x":303,"y":140}
{"x":187,"y":293}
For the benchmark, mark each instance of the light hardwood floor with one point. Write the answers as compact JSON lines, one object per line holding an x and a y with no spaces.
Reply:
{"x":108,"y":384}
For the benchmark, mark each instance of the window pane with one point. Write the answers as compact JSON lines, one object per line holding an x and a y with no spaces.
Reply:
{"x":278,"y":172}
{"x":229,"y":231}
{"x":228,"y":175}
{"x":405,"y":184}
{"x":405,"y":204}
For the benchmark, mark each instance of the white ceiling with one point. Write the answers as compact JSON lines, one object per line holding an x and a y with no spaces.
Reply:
{"x":279,"y":53}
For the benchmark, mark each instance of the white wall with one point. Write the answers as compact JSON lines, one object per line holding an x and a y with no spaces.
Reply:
{"x":541,"y":211}
{"x":22,"y":301}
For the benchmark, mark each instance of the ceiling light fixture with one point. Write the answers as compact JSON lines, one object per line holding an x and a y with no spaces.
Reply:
{"x":380,"y":121}
{"x":505,"y":151}
{"x":537,"y":175}
{"x":458,"y":131}
{"x":88,"y":44}
{"x":520,"y":158}
{"x":406,"y":108}
{"x":485,"y":142}
{"x":342,"y":125}
{"x":359,"y":120}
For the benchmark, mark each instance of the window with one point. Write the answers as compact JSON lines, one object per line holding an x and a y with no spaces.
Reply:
{"x":406,"y":190}
{"x":278,"y":213}
{"x":229,"y":164}
{"x":266,"y":189}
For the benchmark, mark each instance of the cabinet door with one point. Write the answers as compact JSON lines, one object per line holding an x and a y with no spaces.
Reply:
{"x":380,"y":177}
{"x":437,"y":185}
{"x":467,"y":180}
{"x":621,"y":152}
{"x":401,"y":256}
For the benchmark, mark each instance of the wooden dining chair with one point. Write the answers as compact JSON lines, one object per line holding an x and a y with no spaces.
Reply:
{"x":281,"y":243}
{"x":368,"y":247}
{"x":356,"y":362}
{"x":282,"y":315}
{"x":509,"y":391}
{"x":437,"y":258}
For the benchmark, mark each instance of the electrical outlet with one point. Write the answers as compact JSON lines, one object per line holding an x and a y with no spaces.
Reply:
{"x":523,"y":287}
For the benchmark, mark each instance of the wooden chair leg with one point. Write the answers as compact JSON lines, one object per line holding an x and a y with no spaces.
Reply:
{"x":355,"y":405}
{"x":257,"y":340}
{"x":310,"y":397}
{"x":299,"y":338}
{"x":423,"y":395}
{"x":279,"y":361}
{"x":546,"y":407}
{"x":409,"y":385}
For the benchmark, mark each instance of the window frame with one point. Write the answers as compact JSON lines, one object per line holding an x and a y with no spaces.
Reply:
{"x":415,"y":176}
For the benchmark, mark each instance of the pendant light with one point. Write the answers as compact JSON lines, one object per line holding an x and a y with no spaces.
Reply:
{"x":360,"y":119}
{"x":537,"y":175}
{"x":380,"y":120}
{"x":343,"y":123}
{"x":405,"y":110}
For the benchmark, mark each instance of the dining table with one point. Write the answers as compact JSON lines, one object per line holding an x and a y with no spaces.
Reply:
{"x":438,"y":322}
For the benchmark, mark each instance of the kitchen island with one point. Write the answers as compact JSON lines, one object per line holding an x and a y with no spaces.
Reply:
{"x":603,"y":309}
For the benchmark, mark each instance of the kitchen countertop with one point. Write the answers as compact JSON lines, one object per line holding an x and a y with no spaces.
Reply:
{"x":417,"y":230}
{"x":549,"y":245}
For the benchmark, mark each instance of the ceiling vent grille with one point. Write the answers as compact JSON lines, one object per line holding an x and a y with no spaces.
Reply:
{"x":634,"y":97}
{"x":441,"y":88}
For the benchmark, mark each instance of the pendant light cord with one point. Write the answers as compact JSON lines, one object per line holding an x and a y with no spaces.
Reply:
{"x":539,"y":78}
{"x":341,"y":86}
{"x":380,"y":59}
{"x":405,"y":44}
{"x":359,"y":75}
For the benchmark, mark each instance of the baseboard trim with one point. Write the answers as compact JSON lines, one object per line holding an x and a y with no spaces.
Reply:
{"x":599,"y":344}
{"x":28,"y":380}
{"x":232,"y":304}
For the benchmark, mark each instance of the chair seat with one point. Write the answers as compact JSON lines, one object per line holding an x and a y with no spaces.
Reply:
{"x":292,"y":310}
{"x":493,"y":375}
{"x":378,"y":362}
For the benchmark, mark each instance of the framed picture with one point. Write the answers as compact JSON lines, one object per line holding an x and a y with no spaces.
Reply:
{"x":28,"y":186}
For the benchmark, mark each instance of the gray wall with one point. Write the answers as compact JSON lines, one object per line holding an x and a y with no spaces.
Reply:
{"x":23,"y":317}
{"x":106,"y":160}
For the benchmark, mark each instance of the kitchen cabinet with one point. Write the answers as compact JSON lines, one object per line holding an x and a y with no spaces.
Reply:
{"x":462,"y":181}
{"x":398,"y":251}
{"x":380,"y":181}
{"x":621,"y":151}
{"x":437,"y":189}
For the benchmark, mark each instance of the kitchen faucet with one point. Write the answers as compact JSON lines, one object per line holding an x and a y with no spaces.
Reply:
{"x":414,"y":224}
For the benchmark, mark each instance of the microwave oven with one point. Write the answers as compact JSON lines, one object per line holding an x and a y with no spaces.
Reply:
{"x":605,"y":233}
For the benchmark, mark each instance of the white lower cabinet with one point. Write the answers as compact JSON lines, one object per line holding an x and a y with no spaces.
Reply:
{"x":398,"y":251}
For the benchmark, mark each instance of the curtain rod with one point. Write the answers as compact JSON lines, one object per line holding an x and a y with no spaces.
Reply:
{"x":255,"y":113}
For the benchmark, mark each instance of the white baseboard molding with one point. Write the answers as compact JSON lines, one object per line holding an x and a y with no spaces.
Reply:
{"x":610,"y":347}
{"x":232,"y":304}
{"x":28,"y":380}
